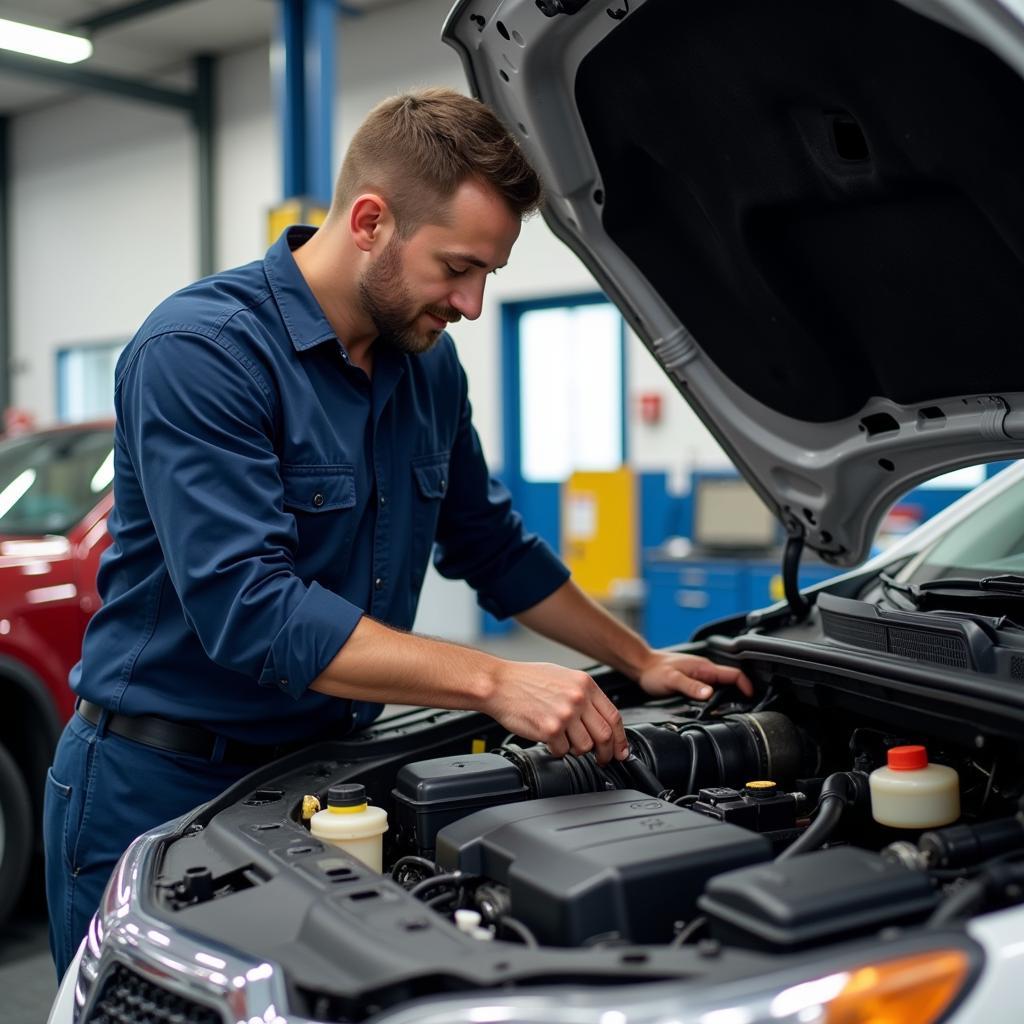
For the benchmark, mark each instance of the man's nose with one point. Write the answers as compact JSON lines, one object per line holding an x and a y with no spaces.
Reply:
{"x":468,"y":300}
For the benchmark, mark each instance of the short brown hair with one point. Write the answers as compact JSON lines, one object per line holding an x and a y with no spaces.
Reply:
{"x":416,"y":149}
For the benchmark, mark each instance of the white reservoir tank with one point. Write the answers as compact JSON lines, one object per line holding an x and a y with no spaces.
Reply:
{"x":352,"y":824}
{"x":908,"y":792}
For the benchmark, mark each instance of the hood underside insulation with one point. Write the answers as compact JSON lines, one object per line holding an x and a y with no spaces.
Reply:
{"x":827,"y":194}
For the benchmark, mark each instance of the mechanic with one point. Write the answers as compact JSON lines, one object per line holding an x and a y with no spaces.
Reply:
{"x":293,"y":437}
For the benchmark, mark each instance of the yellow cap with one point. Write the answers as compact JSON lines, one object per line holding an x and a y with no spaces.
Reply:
{"x":346,"y":798}
{"x":760,"y":784}
{"x":348,"y":810}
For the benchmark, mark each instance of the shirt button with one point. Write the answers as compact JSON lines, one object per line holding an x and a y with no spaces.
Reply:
{"x":318,"y":499}
{"x":383,"y":500}
{"x":378,"y":584}
{"x":444,"y":484}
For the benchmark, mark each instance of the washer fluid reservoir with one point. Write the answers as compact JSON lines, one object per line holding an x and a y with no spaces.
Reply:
{"x":349,"y":822}
{"x":908,"y":792}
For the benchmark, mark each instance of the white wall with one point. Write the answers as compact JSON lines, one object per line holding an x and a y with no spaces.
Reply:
{"x":679,"y":442}
{"x":104,"y":226}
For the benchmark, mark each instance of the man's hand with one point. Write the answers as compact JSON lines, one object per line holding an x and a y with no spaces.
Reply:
{"x":561,"y":707}
{"x":576,"y":620}
{"x":665,"y":673}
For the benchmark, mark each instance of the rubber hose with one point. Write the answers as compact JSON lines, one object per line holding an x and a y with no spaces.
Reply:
{"x":641,"y":776}
{"x":828,"y":816}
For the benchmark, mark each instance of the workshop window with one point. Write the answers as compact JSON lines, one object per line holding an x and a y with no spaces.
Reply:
{"x":570,"y":388}
{"x":85,"y":381}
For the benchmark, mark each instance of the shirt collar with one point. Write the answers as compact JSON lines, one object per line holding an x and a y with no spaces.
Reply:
{"x":304,"y":319}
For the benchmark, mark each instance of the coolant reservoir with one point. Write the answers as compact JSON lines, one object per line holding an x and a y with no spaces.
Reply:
{"x":349,"y":822}
{"x":911,"y":793}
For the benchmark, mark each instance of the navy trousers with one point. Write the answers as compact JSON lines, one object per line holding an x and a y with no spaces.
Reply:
{"x":101,"y":792}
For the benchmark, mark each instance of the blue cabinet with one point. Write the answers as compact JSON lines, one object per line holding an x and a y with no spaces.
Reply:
{"x":766,"y":580}
{"x":684,"y":594}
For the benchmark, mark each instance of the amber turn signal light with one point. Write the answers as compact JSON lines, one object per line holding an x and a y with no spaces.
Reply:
{"x":911,"y":990}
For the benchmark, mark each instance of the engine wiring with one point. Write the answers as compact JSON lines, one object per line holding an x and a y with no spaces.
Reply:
{"x":517,"y":928}
{"x":448,"y":878}
{"x":454,"y":886}
{"x":416,"y":865}
{"x":1002,"y":880}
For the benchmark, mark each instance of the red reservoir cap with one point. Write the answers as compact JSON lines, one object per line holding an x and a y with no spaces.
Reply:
{"x":907,"y":759}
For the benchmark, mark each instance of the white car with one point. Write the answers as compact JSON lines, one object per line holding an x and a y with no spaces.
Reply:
{"x":813,"y":213}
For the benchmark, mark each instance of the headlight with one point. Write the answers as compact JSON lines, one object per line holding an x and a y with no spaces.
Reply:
{"x":910,"y":990}
{"x":916,"y":988}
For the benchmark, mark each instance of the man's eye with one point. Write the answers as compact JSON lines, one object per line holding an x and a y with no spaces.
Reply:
{"x":452,"y":272}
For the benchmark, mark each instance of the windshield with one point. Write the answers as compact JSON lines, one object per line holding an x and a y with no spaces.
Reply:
{"x":990,"y":542}
{"x":48,"y":482}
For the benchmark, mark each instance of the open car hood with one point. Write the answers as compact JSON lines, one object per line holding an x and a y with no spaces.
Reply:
{"x":811,"y":211}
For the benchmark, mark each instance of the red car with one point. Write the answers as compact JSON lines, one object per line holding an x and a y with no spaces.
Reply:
{"x":55,"y":494}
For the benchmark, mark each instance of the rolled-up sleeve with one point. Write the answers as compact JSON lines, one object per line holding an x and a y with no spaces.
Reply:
{"x":198,"y":420}
{"x":482,"y":539}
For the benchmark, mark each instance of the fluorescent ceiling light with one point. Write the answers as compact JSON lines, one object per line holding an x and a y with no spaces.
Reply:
{"x":43,"y":42}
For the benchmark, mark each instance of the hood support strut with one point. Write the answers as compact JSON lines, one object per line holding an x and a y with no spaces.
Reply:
{"x":799,"y":607}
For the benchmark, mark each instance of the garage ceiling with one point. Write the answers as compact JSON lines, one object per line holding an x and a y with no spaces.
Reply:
{"x":149,"y":46}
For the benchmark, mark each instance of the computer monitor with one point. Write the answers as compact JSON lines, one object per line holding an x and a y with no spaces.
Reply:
{"x":728,"y":515}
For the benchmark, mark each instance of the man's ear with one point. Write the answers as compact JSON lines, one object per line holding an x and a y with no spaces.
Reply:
{"x":368,"y":220}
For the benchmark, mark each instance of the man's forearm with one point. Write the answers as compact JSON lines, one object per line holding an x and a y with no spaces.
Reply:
{"x":559,"y":706}
{"x":572,"y":618}
{"x":381,"y":664}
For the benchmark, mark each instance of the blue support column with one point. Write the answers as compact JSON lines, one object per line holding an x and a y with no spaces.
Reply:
{"x":290,"y":94}
{"x":319,"y":25}
{"x":303,"y":63}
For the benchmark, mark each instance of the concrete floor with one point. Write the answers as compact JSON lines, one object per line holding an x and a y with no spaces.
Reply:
{"x":27,"y":980}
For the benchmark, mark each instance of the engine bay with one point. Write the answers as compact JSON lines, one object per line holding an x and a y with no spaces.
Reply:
{"x":738,"y":835}
{"x":726,"y":826}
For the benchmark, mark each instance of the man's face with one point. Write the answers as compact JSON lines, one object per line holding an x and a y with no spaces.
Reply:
{"x":415,"y":287}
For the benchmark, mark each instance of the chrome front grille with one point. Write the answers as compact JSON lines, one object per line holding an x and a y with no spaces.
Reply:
{"x":128,"y":998}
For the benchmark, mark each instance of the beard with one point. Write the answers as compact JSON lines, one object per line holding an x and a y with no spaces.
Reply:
{"x":386,"y":300}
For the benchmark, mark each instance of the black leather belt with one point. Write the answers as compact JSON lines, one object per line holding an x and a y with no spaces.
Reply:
{"x":181,"y":738}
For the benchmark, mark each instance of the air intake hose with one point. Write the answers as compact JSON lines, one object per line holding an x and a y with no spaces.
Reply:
{"x":685,"y":758}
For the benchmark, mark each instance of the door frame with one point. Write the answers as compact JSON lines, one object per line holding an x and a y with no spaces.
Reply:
{"x":511,"y":390}
{"x":538,"y":502}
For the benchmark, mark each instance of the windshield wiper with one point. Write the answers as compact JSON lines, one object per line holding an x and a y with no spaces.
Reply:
{"x":1006,"y":583}
{"x":956,"y":592}
{"x":892,"y":586}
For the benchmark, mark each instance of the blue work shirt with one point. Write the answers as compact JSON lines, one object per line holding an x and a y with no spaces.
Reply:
{"x":268,"y":493}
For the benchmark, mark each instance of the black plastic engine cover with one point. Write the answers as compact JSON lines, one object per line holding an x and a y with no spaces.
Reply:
{"x":814,"y":898}
{"x":431,"y":794}
{"x":598,"y":864}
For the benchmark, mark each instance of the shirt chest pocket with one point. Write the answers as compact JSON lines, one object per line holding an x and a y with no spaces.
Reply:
{"x":322,"y":501}
{"x":431,"y":476}
{"x":319,"y":489}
